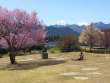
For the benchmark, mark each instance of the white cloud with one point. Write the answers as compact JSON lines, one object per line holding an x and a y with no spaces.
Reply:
{"x":83,"y":23}
{"x":61,"y":22}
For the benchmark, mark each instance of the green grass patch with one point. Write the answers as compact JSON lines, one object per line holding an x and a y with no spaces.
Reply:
{"x":54,"y":50}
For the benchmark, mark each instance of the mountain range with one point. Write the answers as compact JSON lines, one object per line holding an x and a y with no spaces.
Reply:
{"x":60,"y":30}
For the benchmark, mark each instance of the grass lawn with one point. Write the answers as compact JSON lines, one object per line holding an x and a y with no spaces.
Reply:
{"x":59,"y":68}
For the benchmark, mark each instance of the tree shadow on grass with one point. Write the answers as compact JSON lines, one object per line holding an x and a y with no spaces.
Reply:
{"x":28,"y":65}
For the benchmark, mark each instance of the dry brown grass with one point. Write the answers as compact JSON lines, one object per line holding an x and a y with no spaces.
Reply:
{"x":32,"y":69}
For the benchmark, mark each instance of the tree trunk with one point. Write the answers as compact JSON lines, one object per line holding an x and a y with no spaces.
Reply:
{"x":12,"y":57}
{"x":90,"y":49}
{"x":24,"y":51}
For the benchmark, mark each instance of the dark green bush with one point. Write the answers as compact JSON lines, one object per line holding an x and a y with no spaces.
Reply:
{"x":3,"y":51}
{"x":37,"y":47}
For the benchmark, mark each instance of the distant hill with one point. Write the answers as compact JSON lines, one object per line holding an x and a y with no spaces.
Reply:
{"x":60,"y":30}
{"x":101,"y":25}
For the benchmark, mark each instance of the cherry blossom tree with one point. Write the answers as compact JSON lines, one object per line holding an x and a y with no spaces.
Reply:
{"x":20,"y":29}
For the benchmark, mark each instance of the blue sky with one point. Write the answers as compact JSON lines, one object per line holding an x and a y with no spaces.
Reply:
{"x":64,"y":11}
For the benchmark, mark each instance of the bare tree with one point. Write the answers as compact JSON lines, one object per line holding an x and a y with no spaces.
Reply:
{"x":90,"y":36}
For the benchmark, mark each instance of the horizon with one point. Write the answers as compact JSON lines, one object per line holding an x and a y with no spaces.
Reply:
{"x":64,"y":11}
{"x":79,"y":24}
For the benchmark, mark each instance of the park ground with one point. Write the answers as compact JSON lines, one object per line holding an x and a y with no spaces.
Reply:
{"x":59,"y":68}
